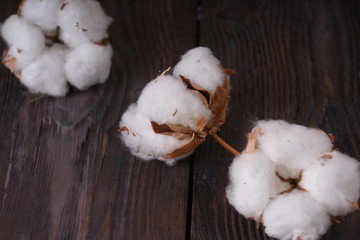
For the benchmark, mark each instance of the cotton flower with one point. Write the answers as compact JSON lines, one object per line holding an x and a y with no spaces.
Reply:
{"x":174,"y":113}
{"x":43,"y":63}
{"x":290,"y":179}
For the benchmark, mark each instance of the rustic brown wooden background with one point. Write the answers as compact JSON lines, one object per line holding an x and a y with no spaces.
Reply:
{"x":64,"y":174}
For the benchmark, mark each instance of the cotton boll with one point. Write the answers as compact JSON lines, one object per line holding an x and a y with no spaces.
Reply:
{"x":295,"y":215}
{"x":295,"y":146}
{"x":166,"y":99}
{"x":45,"y":74}
{"x":253,"y":184}
{"x":42,"y":13}
{"x":316,"y":182}
{"x":179,"y":108}
{"x":82,"y":21}
{"x":87,"y":65}
{"x":334,"y":181}
{"x":202,"y":68}
{"x":142,"y":140}
{"x":25,"y":41}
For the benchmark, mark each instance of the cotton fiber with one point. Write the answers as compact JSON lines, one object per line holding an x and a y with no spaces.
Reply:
{"x":334,"y":181}
{"x":252,"y":175}
{"x":200,"y":65}
{"x":82,"y":21}
{"x":45,"y":74}
{"x":294,"y":216}
{"x":25,"y":42}
{"x":42,"y":13}
{"x":87,"y":65}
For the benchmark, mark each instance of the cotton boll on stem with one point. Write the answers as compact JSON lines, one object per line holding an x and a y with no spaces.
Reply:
{"x":25,"y":42}
{"x":295,"y":215}
{"x":88,"y":64}
{"x":334,"y":181}
{"x":82,"y":21}
{"x":180,"y":108}
{"x":42,"y":13}
{"x":45,"y":74}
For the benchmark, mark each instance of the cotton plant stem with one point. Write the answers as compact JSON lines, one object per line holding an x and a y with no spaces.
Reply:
{"x":335,"y":220}
{"x":38,"y":98}
{"x":225,"y":144}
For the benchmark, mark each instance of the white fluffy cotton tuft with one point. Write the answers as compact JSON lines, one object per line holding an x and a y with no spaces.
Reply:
{"x":25,"y":41}
{"x":88,"y":64}
{"x":82,"y":21}
{"x":164,"y":96}
{"x":289,"y":179}
{"x":294,"y":216}
{"x":142,"y":140}
{"x":46,"y":66}
{"x":334,"y":181}
{"x":297,"y":147}
{"x":202,"y":67}
{"x":42,"y":13}
{"x":45,"y":74}
{"x":252,"y":184}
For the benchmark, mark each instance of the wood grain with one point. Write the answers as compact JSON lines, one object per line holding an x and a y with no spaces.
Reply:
{"x":295,"y":60}
{"x":64,"y":174}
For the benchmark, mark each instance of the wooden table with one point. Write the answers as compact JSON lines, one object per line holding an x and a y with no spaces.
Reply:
{"x":64,"y":174}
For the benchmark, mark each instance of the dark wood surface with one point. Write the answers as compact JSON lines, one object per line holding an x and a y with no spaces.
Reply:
{"x":64,"y":174}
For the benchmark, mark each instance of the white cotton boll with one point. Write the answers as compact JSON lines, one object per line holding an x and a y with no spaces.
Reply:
{"x":45,"y":74}
{"x":202,"y":68}
{"x":166,"y":99}
{"x":42,"y":13}
{"x":295,"y":215}
{"x":142,"y":140}
{"x":334,"y":181}
{"x":87,"y":65}
{"x":25,"y":41}
{"x":253,"y":184}
{"x":297,"y":147}
{"x":82,"y":21}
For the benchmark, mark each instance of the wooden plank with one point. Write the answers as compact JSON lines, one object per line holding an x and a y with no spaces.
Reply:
{"x":295,"y":60}
{"x":64,"y":174}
